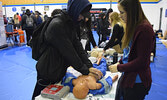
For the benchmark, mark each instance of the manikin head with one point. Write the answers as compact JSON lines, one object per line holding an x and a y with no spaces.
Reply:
{"x":80,"y":90}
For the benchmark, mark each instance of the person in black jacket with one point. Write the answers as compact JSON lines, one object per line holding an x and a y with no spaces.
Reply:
{"x":64,"y":48}
{"x":117,"y":33}
{"x":86,"y":33}
{"x":102,"y":28}
{"x":28,"y":28}
{"x":109,"y":11}
{"x":5,"y":20}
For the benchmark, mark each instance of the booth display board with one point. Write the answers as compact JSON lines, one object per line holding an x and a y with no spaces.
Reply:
{"x":2,"y":29}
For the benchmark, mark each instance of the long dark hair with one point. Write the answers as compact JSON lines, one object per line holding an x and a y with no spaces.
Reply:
{"x":135,"y":16}
{"x":88,"y":23}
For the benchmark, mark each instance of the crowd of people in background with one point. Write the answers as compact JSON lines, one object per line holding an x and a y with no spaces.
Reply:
{"x":98,"y":22}
{"x":19,"y":21}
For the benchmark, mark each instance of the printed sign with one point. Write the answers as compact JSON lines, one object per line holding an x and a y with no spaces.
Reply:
{"x":23,"y":8}
{"x":46,"y":8}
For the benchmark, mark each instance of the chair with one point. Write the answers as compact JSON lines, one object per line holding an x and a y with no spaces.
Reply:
{"x":10,"y":33}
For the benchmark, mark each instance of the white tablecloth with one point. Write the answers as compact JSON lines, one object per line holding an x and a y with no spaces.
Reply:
{"x":109,"y":96}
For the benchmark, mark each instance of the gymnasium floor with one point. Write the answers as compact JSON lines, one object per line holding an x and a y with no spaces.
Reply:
{"x":18,"y":74}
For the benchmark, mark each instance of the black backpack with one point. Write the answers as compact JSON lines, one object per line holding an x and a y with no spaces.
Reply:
{"x":37,"y":42}
{"x":29,"y":21}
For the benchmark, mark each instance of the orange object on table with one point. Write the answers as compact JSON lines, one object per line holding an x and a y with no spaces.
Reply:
{"x":21,"y":36}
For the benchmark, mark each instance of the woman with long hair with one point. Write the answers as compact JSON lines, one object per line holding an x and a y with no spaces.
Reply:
{"x":118,"y":31}
{"x":86,"y":33}
{"x":138,"y":42}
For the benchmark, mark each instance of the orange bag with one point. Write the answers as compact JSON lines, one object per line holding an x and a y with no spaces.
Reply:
{"x":21,"y":36}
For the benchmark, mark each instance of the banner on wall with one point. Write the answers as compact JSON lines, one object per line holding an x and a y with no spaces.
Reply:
{"x":46,"y":8}
{"x":2,"y":29}
{"x":23,"y":8}
{"x":64,"y":6}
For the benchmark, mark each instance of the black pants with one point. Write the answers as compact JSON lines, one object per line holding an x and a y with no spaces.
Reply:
{"x":138,"y":92}
{"x":40,"y":85}
{"x":119,"y":92}
{"x":104,"y":38}
{"x":29,"y":35}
